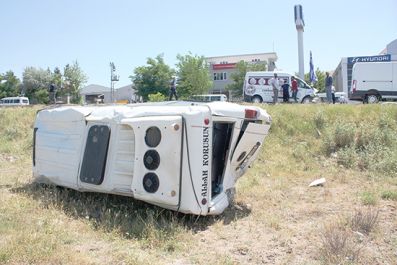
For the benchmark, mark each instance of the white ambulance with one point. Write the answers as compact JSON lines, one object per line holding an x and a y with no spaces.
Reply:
{"x":183,"y":156}
{"x":257,"y":87}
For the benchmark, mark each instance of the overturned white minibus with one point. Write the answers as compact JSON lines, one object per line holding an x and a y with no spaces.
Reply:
{"x":182,"y":156}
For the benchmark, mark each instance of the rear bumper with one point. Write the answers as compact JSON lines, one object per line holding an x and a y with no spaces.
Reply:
{"x":358,"y":95}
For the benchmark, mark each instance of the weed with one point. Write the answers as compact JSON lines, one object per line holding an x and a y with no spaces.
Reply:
{"x":319,"y":120}
{"x":347,"y":157}
{"x":338,"y":245}
{"x":368,"y":198}
{"x":364,"y":221}
{"x":389,"y":195}
{"x":344,"y":135}
{"x":274,"y":222}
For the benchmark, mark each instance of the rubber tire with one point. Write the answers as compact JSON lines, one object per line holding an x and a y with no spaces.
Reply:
{"x":372,"y":98}
{"x":256,"y":99}
{"x":306,"y":100}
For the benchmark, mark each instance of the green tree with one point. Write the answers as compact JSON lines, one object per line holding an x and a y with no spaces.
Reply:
{"x":74,"y":79}
{"x":10,"y":85}
{"x":41,"y":96}
{"x":320,"y":84}
{"x":156,"y":97}
{"x":57,"y":78}
{"x":152,"y":78}
{"x":193,"y":74}
{"x":242,"y":67}
{"x":34,"y":80}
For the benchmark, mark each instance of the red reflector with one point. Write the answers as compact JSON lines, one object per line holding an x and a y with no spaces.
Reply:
{"x":354,"y":85}
{"x":206,"y":121}
{"x":250,"y":113}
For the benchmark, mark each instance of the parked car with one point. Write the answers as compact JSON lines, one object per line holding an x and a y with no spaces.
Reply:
{"x":208,"y":98}
{"x":340,"y":97}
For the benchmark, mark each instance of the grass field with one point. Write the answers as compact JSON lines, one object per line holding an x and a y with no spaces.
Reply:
{"x":276,"y":218}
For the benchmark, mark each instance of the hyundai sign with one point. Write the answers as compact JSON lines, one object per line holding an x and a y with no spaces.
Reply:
{"x":377,"y":58}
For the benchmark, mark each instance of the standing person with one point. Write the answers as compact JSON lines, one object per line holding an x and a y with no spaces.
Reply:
{"x":328,"y":87}
{"x":294,"y":88}
{"x":173,"y":89}
{"x":275,"y":82}
{"x":285,"y":87}
{"x":333,"y":94}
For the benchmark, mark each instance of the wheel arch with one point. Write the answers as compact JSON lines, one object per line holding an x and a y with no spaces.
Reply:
{"x":257,"y":96}
{"x":305,"y":98}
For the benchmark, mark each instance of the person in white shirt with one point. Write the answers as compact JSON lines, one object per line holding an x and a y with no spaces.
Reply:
{"x":275,"y":83}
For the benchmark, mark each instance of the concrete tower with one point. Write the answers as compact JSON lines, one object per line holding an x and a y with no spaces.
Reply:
{"x":300,"y":24}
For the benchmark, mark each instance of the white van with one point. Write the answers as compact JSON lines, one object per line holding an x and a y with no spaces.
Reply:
{"x":209,"y":98}
{"x":14,"y":101}
{"x":182,"y":156}
{"x":257,"y":87}
{"x":374,"y":82}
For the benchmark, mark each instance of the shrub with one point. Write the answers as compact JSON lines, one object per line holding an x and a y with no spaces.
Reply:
{"x":347,"y":157}
{"x":364,"y":221}
{"x":319,"y":120}
{"x":42,"y":96}
{"x":156,"y":97}
{"x":365,"y":136}
{"x":344,"y":135}
{"x":338,"y":245}
{"x":389,"y":195}
{"x":368,"y":198}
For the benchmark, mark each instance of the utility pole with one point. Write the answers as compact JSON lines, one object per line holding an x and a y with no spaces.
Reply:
{"x":113,"y":78}
{"x":300,"y":24}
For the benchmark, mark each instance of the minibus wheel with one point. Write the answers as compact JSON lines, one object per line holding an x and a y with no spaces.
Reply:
{"x":257,"y":99}
{"x":306,"y":100}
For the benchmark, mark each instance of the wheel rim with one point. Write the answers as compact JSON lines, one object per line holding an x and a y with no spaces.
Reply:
{"x":256,"y":100}
{"x":372,"y":99}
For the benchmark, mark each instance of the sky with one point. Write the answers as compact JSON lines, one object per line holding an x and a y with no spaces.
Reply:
{"x":49,"y":33}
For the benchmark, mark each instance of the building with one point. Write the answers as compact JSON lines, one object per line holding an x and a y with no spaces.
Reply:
{"x":221,"y":67}
{"x":343,"y":73}
{"x":101,"y":94}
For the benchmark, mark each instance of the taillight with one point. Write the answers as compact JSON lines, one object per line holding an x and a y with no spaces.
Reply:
{"x":251,"y":114}
{"x":34,"y":146}
{"x":354,"y":85}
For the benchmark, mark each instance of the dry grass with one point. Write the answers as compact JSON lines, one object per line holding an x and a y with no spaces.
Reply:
{"x":364,"y":220}
{"x":276,"y":218}
{"x":338,"y":245}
